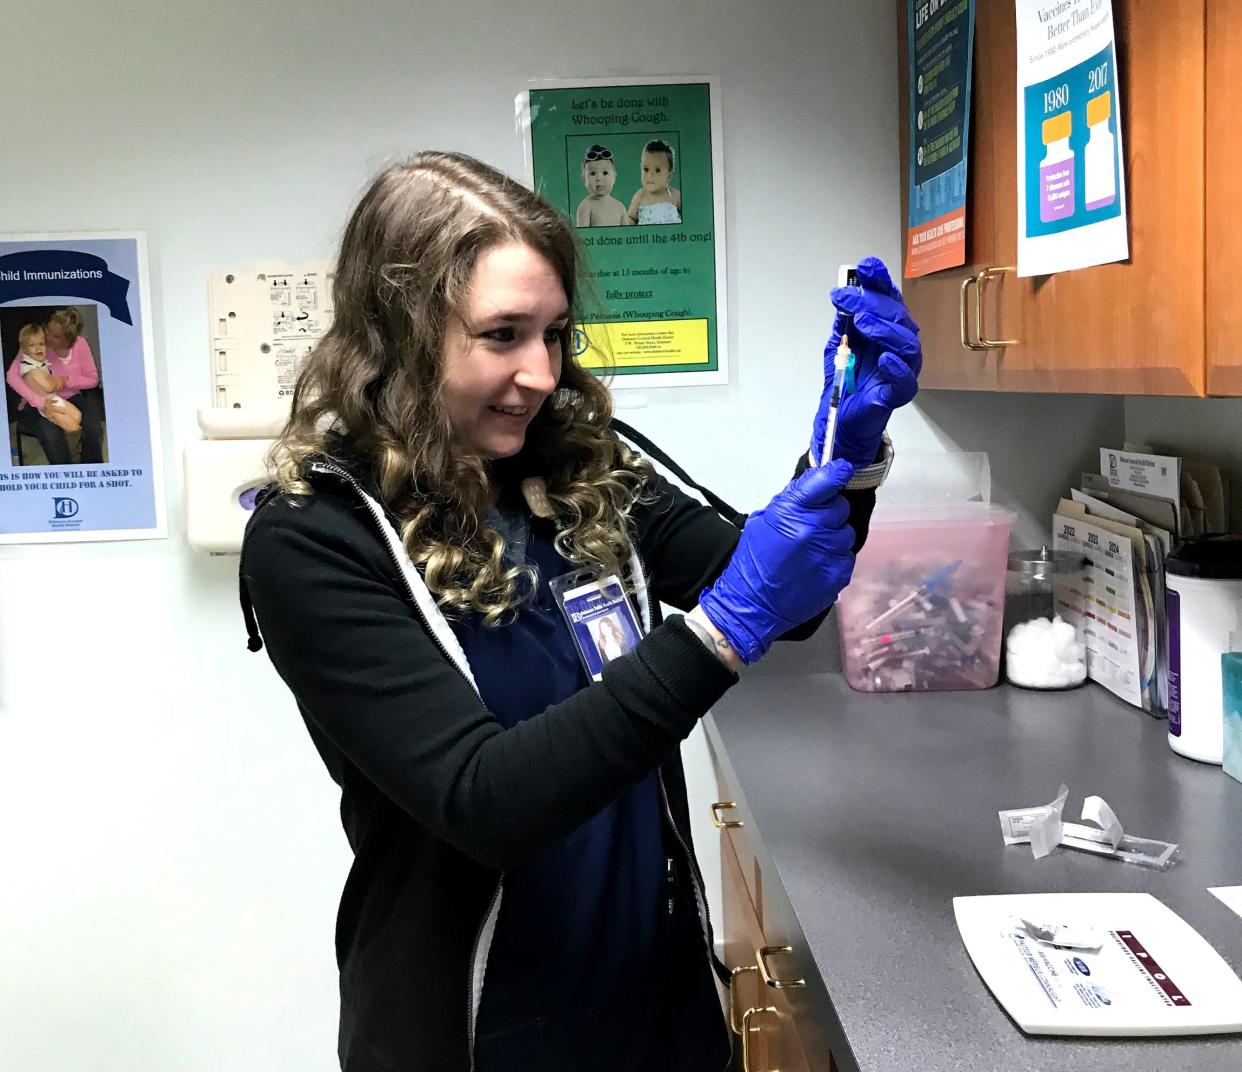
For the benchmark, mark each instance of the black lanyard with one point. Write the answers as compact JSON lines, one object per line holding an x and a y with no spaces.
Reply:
{"x":734,"y":517}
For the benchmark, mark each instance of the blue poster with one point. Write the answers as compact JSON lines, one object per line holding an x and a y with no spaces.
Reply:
{"x":80,"y":406}
{"x":941,"y":45}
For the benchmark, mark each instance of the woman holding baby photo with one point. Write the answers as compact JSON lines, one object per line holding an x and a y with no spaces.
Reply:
{"x":53,"y":373}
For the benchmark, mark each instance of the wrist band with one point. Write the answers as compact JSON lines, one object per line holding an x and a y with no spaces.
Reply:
{"x":870,"y":477}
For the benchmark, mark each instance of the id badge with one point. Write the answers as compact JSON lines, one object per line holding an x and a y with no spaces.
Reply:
{"x":600,"y":617}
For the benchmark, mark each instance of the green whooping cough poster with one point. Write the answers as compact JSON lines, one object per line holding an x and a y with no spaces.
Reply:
{"x":636,"y":166}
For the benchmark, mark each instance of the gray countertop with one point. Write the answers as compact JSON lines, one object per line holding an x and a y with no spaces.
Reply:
{"x":877,"y":810}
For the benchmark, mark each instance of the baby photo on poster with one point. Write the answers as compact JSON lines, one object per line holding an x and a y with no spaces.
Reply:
{"x":54,"y":395}
{"x":642,"y":165}
{"x":79,"y":390}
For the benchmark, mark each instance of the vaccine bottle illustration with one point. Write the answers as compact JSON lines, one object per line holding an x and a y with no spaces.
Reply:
{"x":1056,"y":170}
{"x":1099,"y":158}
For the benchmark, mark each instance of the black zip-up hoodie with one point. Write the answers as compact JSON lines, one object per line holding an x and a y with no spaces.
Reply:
{"x":437,"y":799}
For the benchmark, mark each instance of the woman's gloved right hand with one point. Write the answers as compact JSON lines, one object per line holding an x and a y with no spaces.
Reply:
{"x":794,"y":558}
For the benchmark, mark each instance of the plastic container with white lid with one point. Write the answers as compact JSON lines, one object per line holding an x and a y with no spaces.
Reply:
{"x":924,"y":609}
{"x":1203,"y":586}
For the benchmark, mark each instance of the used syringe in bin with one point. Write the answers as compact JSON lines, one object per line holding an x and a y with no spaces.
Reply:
{"x":925,"y":607}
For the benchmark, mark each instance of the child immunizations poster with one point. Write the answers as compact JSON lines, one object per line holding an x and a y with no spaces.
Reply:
{"x":1071,"y":183}
{"x":941,"y":36}
{"x":636,"y":164}
{"x":80,"y":403}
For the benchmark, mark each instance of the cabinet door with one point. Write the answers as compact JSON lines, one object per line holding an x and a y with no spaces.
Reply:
{"x":1135,"y":327}
{"x":792,"y":1037}
{"x":772,"y":1033}
{"x":742,"y":936}
{"x":1224,"y":195}
{"x":935,"y":300}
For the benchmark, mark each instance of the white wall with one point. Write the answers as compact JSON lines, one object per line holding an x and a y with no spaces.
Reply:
{"x":171,"y":845}
{"x":1037,"y":444}
{"x":172,"y":853}
{"x":1209,"y":428}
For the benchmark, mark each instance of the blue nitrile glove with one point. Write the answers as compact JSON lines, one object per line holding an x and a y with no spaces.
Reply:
{"x":794,"y":557}
{"x":888,"y":358}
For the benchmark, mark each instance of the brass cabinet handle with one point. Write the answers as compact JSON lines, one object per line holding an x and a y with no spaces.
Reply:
{"x":765,"y":973}
{"x":734,"y":987}
{"x":747,"y":1030}
{"x":967,"y":283}
{"x":983,"y":279}
{"x":725,"y":824}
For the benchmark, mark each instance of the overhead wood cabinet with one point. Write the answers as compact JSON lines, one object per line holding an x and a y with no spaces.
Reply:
{"x":1224,"y":197}
{"x":1168,"y":320}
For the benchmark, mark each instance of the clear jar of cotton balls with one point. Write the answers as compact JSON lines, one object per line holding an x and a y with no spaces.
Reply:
{"x":1042,"y":649}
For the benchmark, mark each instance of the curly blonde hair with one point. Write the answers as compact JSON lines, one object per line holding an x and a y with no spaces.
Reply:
{"x":371,"y":388}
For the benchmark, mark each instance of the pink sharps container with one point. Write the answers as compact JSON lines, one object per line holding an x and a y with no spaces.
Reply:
{"x":925,"y":607}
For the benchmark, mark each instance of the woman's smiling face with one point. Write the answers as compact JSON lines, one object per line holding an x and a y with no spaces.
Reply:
{"x":503,"y":351}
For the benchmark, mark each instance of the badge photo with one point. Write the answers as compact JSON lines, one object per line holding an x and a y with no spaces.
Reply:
{"x":600,"y":617}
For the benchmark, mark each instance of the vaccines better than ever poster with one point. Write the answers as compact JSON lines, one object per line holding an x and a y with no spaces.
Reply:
{"x":1071,"y":182}
{"x":75,"y":318}
{"x":636,"y":164}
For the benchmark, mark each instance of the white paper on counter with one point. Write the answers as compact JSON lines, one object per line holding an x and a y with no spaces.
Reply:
{"x":1096,"y":810}
{"x":1043,"y":828}
{"x":1230,"y":895}
{"x":1154,"y":974}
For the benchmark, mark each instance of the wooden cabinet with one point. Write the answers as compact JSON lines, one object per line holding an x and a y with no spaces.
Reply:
{"x":1224,"y":196}
{"x":771,"y":1009}
{"x":1137,"y":327}
{"x":761,"y":1017}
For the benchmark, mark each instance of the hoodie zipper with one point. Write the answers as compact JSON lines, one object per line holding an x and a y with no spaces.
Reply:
{"x":326,"y":467}
{"x":692,"y":866}
{"x":492,"y":906}
{"x":696,"y":879}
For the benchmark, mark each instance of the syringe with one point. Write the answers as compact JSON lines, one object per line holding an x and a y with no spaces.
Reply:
{"x":847,"y":276}
{"x":840,"y":363}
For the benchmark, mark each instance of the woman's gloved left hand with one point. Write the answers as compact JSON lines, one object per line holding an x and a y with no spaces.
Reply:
{"x":792,"y":561}
{"x":887,"y":361}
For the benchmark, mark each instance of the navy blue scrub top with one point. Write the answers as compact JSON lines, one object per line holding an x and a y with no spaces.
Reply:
{"x":598,"y":958}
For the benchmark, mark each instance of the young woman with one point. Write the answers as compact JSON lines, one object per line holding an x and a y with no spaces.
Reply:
{"x":524,"y":894}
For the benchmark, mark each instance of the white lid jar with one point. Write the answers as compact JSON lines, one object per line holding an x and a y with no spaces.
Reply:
{"x":1203,"y":580}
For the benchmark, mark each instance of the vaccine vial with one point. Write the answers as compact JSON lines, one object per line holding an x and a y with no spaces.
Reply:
{"x":1056,"y":170}
{"x":1099,"y":157}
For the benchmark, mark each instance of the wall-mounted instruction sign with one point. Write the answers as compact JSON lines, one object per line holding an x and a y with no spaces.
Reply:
{"x":941,"y":39}
{"x":636,"y":164}
{"x":1071,"y":183}
{"x":81,"y":416}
